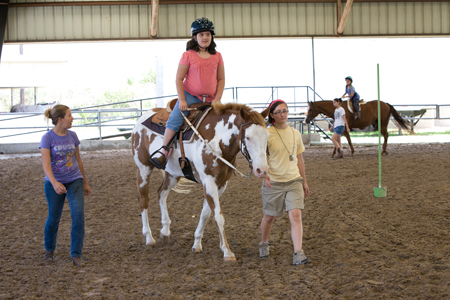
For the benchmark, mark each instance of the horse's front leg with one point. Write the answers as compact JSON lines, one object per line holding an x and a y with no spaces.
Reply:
{"x":204,"y":217}
{"x":349,"y":140}
{"x":212,"y":197}
{"x":163,"y":191}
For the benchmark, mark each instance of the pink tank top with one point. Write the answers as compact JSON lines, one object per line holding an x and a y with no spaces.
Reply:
{"x":201,"y":78}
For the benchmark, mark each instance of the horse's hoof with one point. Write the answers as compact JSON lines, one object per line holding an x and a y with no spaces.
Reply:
{"x":197,"y":250}
{"x":151,"y":243}
{"x":163,"y":238}
{"x":229,"y":259}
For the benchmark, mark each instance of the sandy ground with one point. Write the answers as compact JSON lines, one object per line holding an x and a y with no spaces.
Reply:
{"x":358,"y":246}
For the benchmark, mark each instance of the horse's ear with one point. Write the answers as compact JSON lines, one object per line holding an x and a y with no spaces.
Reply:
{"x":265,"y":112}
{"x":243,"y":113}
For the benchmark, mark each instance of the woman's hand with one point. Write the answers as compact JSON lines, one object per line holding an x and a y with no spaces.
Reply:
{"x":182,"y":105}
{"x":215,"y":100}
{"x":267,"y":181}
{"x":87,"y":189}
{"x":59,"y":188}
{"x":306,"y":189}
{"x":348,"y":130}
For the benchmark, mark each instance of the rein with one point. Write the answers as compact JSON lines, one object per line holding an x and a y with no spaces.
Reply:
{"x":243,"y":146}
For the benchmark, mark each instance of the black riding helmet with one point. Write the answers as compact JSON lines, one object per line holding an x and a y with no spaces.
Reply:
{"x":200,"y":25}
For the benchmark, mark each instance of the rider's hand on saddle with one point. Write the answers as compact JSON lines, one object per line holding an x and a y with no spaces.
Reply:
{"x":182,"y":105}
{"x":215,"y":100}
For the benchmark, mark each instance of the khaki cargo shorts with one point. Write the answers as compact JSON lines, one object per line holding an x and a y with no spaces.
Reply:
{"x":290,"y":193}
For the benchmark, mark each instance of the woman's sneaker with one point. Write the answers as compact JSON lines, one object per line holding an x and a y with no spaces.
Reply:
{"x":299,"y":258}
{"x":264,"y":249}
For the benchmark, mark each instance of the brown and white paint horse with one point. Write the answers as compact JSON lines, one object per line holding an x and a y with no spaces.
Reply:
{"x":227,"y":129}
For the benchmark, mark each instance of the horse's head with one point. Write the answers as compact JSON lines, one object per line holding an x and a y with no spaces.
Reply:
{"x":253,"y":140}
{"x":312,"y":112}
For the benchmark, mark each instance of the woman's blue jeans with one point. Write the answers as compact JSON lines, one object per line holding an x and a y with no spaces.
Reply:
{"x":75,"y":196}
{"x":176,"y":119}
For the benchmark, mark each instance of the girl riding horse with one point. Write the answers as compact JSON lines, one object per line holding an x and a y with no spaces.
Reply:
{"x":352,"y":95}
{"x":200,"y":76}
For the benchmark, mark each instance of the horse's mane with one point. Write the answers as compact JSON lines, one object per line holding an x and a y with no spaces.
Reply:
{"x":255,"y":116}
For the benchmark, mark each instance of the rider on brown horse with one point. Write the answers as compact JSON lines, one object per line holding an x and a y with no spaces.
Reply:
{"x":352,"y":95}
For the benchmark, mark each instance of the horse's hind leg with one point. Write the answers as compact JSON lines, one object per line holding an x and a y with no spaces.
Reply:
{"x":140,"y":155}
{"x":163,"y":191}
{"x":143,"y":174}
{"x":385,"y":134}
{"x":349,"y":140}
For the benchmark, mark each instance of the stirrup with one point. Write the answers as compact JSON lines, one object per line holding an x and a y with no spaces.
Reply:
{"x":159,"y":164}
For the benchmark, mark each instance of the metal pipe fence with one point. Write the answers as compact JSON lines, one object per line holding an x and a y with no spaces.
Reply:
{"x":100,"y":116}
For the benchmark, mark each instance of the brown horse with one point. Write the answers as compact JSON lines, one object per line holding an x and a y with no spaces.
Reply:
{"x":229,"y":129}
{"x":369,"y":116}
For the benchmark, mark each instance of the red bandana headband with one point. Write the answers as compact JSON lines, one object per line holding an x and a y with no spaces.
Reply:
{"x":278,"y":100}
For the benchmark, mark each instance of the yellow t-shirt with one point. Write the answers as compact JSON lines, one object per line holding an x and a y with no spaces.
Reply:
{"x":281,"y":168}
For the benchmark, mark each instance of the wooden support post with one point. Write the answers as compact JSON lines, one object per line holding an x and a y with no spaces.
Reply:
{"x":154,"y":29}
{"x":339,"y":11}
{"x":347,"y":8}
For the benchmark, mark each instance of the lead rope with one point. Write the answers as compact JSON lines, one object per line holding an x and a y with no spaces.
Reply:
{"x":218,"y":156}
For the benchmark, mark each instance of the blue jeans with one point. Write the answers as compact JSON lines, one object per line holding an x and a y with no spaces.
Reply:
{"x":355,"y":103}
{"x":176,"y":119}
{"x":75,"y":196}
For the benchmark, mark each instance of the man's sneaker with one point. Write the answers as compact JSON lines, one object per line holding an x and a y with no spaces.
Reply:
{"x":299,"y":258}
{"x":264,"y":249}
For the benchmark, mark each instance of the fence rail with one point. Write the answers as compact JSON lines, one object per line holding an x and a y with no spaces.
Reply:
{"x":99,"y":116}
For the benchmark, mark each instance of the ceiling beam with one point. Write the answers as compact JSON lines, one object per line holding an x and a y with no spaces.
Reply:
{"x":4,"y":5}
{"x":174,"y":2}
{"x":155,"y":7}
{"x":338,"y":11}
{"x":347,"y":8}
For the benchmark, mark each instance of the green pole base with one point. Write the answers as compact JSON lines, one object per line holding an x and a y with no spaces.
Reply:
{"x":380,"y":192}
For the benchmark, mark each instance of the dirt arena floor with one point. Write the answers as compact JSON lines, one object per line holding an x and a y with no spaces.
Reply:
{"x":358,"y":246}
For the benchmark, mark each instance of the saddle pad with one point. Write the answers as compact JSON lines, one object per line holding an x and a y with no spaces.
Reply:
{"x":188,"y":136}
{"x":350,"y":105}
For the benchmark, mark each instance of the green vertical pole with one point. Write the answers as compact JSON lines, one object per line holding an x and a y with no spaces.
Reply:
{"x":379,"y":191}
{"x":379,"y":128}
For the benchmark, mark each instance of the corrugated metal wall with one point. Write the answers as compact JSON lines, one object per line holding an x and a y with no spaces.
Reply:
{"x":231,"y":20}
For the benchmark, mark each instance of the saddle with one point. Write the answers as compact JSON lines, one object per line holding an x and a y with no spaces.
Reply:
{"x":157,"y":122}
{"x":350,"y":105}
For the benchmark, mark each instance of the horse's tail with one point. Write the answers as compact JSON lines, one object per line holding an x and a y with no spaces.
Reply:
{"x":399,"y":119}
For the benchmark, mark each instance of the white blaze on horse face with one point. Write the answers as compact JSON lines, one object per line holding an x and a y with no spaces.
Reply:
{"x":256,"y":138}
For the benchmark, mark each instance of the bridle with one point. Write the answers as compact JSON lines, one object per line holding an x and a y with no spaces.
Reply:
{"x":243,"y":145}
{"x":313,"y":110}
